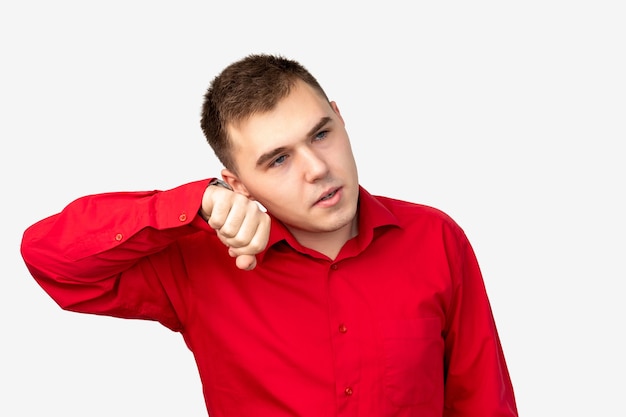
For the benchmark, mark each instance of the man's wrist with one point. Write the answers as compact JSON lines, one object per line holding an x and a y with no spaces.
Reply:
{"x":214,"y":182}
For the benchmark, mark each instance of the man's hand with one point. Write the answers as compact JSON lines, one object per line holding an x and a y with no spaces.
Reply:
{"x":239,"y":222}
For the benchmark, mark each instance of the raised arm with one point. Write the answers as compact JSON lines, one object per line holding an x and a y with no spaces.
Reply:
{"x":104,"y":253}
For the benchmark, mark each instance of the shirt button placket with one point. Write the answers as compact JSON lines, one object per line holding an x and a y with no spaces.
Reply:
{"x":346,"y":352}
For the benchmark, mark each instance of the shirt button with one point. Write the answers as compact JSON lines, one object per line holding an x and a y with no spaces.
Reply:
{"x":342,"y":328}
{"x":348,"y":391}
{"x":334,"y":267}
{"x":118,"y":237}
{"x":182,"y":217}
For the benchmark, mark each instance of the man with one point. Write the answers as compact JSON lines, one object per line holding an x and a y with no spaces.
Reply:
{"x":332,"y":302}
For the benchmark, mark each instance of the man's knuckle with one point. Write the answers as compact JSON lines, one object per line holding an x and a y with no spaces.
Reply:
{"x":239,"y":242}
{"x":227,"y":231}
{"x":214,"y":223}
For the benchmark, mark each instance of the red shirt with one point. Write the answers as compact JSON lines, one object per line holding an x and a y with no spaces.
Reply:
{"x":399,"y":324}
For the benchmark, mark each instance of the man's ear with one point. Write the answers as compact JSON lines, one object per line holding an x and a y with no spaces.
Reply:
{"x":335,"y":108}
{"x":233,"y":180}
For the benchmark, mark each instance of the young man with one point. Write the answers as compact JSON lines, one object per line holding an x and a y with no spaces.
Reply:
{"x":334,"y":302}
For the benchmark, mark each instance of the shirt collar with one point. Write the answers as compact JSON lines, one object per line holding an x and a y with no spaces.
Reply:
{"x":372,"y":215}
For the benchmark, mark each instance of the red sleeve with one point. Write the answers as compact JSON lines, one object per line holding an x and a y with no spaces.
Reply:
{"x":477,"y":379}
{"x":94,"y":256}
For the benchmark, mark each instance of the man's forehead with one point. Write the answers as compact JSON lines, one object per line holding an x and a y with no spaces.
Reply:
{"x":293,"y":119}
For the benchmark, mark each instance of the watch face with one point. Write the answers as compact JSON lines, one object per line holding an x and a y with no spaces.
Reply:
{"x":221,"y":183}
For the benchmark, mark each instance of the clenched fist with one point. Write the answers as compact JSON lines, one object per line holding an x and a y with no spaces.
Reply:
{"x":239,"y":222}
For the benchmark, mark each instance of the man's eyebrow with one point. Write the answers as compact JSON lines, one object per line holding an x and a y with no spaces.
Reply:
{"x":318,"y":126}
{"x":267,"y":156}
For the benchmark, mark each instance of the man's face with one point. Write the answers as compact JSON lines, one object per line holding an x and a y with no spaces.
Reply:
{"x":296,"y":161}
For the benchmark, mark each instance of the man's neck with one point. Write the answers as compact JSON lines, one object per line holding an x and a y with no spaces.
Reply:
{"x":327,"y":243}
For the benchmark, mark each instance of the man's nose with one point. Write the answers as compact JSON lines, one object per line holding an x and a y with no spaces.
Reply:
{"x":315,"y":167}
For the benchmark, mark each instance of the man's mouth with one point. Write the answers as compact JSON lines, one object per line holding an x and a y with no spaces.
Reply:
{"x":328,"y":196}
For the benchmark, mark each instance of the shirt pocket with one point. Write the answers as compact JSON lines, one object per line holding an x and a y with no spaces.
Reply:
{"x":413,"y":351}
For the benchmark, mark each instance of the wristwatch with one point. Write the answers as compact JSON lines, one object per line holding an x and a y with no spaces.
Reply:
{"x":220,"y":183}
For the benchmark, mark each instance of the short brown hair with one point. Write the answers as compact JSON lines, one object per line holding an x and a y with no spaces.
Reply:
{"x":254,"y":84}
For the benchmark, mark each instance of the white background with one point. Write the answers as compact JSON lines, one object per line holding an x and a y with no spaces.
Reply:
{"x":509,"y":116}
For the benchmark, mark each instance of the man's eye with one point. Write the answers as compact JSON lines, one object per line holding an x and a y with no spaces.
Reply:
{"x":279,"y":161}
{"x":321,"y":135}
